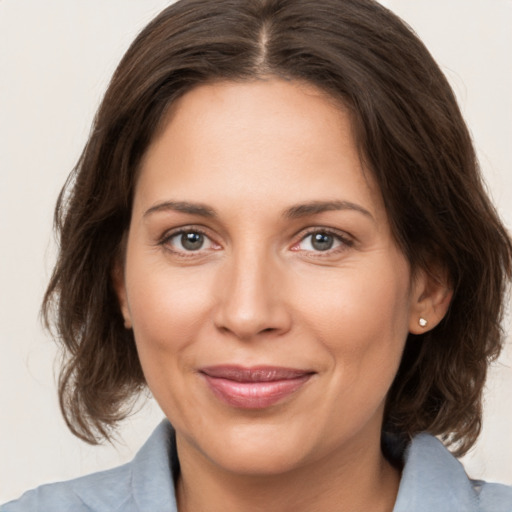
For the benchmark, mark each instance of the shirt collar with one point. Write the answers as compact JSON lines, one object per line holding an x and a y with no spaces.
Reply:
{"x":433,"y":480}
{"x":152,"y":471}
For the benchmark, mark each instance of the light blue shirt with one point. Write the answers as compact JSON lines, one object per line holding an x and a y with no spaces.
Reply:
{"x":432,"y":481}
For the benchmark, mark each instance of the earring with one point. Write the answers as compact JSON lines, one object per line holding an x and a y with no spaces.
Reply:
{"x":422,"y":322}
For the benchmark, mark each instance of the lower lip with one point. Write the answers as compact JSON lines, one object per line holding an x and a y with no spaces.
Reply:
{"x":254,"y":395}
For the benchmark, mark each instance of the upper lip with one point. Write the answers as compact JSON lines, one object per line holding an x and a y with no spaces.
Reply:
{"x":254,"y":373}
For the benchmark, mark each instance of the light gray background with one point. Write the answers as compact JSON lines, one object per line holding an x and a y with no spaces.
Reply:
{"x":56,"y":57}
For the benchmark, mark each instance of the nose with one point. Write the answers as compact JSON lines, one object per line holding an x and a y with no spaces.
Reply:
{"x":252,"y":298}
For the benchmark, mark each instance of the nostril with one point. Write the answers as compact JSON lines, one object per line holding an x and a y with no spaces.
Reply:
{"x":246,"y":332}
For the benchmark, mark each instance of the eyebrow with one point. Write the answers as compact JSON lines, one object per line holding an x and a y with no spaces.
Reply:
{"x":182,"y":206}
{"x":316,"y":207}
{"x":294,"y":212}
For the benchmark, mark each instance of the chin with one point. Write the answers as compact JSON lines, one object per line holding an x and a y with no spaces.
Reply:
{"x":253,"y":448}
{"x":266,"y":457}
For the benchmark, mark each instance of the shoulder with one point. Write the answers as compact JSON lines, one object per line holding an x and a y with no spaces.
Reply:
{"x":106,"y":490}
{"x":99,"y":491}
{"x":493,"y":497}
{"x":146,"y":483}
{"x":433,"y":479}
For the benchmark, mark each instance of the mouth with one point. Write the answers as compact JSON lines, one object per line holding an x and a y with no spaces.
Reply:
{"x":257,"y":387}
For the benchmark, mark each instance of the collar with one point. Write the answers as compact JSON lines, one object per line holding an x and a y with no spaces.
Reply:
{"x":152,"y":471}
{"x":433,"y":480}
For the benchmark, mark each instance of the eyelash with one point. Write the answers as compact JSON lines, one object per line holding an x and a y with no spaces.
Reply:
{"x":345,"y":241}
{"x":166,"y":239}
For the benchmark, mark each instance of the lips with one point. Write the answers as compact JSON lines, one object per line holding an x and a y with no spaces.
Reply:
{"x":256,"y":387}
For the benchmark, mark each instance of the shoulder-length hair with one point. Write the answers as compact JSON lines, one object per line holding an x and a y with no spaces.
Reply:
{"x":411,"y":136}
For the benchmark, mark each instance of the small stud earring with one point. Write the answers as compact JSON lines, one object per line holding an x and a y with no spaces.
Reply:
{"x":422,"y":322}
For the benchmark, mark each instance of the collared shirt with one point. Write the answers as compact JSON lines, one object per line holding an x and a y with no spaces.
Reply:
{"x":432,"y":481}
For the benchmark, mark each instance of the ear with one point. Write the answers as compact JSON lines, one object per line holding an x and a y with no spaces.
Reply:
{"x":120,"y":289}
{"x":431,"y":297}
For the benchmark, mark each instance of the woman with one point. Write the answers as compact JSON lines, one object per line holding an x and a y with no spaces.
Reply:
{"x":279,"y":227}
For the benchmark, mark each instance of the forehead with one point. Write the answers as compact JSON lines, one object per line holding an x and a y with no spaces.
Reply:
{"x":242,"y":140}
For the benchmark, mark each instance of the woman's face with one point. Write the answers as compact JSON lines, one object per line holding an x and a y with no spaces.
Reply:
{"x":269,"y":302}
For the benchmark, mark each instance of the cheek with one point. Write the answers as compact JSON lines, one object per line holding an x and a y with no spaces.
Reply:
{"x":168,"y":312}
{"x":362,"y":318}
{"x":166,"y":305}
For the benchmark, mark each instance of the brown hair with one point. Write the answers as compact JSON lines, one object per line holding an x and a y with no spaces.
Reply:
{"x":412,"y":138}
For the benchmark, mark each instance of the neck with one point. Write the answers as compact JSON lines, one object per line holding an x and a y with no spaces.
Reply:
{"x":356,"y":479}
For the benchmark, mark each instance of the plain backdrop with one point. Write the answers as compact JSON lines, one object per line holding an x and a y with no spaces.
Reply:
{"x":56,"y":57}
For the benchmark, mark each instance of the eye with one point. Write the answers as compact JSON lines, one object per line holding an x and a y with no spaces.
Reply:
{"x":322,"y":241}
{"x":189,"y":240}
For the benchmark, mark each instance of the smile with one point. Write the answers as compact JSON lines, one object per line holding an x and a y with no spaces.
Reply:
{"x":256,"y":387}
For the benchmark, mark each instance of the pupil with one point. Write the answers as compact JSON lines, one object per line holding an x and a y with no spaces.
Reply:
{"x":322,"y":242}
{"x":192,"y":241}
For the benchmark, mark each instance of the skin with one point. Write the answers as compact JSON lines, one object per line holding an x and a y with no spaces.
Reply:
{"x":259,"y":292}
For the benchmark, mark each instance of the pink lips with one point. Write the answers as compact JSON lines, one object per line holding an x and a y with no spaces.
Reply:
{"x":256,"y":387}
